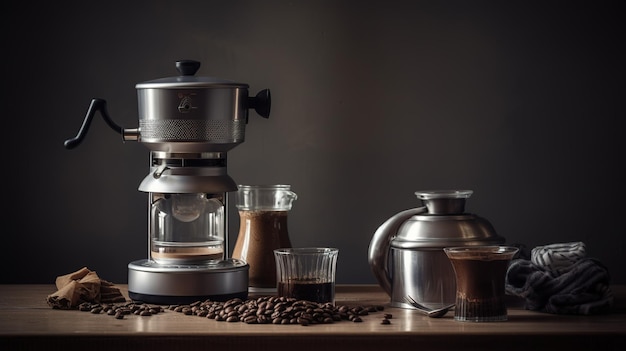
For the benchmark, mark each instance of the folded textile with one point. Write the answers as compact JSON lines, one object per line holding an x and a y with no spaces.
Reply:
{"x":560,"y":280}
{"x":83,"y":285}
{"x":558,"y":258}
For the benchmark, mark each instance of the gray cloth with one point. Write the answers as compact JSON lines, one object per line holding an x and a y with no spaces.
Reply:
{"x":558,"y":258}
{"x":582,"y":288}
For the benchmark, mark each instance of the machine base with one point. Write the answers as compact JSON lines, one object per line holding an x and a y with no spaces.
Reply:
{"x":183,"y":284}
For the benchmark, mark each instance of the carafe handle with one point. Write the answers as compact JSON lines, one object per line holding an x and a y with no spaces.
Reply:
{"x":378,"y":253}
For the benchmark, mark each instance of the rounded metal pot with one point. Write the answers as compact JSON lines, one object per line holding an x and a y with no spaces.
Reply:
{"x":406,"y":252}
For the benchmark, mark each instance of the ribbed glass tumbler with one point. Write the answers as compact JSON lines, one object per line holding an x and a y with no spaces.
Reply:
{"x":306,"y":273}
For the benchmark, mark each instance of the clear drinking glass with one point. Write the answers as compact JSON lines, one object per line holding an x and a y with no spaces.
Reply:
{"x":480,"y":273}
{"x":306,"y":273}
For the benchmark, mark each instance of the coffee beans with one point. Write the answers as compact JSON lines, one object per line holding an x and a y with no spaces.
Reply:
{"x":276,"y":310}
{"x":120,"y":310}
{"x":262,"y":310}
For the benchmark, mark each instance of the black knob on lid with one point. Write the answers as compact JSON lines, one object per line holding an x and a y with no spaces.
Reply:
{"x":187,"y":67}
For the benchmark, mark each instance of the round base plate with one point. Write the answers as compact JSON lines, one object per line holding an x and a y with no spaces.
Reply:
{"x":151,"y":282}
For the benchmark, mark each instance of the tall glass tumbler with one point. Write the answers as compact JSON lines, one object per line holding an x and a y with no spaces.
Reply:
{"x":306,"y":273}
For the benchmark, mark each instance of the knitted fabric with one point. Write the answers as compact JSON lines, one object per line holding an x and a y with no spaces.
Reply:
{"x":560,"y":279}
{"x":558,"y":258}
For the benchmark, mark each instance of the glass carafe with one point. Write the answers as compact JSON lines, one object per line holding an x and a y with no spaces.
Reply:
{"x":263,"y":227}
{"x":186,"y":228}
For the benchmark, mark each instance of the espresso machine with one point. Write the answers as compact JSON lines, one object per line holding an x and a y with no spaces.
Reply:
{"x":189,"y":124}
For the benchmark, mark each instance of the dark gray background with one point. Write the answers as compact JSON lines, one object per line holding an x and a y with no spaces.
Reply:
{"x":520,"y":101}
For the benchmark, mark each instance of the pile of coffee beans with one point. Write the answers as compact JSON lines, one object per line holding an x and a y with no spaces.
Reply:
{"x":121,"y":310}
{"x":262,"y":310}
{"x":278,"y":310}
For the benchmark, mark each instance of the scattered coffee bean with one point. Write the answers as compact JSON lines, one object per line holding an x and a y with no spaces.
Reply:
{"x":385,"y":321}
{"x":250,"y":320}
{"x":387,"y":316}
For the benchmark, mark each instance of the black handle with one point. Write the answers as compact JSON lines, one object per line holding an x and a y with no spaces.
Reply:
{"x":96,"y":105}
{"x":261,"y":103}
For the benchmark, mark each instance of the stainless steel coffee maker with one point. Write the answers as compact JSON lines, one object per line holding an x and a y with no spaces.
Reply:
{"x":189,"y":124}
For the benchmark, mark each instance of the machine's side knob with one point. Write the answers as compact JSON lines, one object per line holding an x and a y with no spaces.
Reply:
{"x":261,"y":103}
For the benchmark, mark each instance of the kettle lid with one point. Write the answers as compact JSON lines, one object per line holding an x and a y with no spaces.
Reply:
{"x":445,"y":223}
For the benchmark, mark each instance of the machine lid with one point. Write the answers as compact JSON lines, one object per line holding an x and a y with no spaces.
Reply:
{"x":187,"y":79}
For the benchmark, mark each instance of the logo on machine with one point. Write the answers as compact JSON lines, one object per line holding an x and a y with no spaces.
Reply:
{"x":185,"y":105}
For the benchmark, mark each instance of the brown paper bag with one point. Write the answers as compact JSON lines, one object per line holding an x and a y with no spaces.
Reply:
{"x":81,"y":286}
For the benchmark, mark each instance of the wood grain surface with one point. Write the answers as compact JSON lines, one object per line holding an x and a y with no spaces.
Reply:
{"x":28,"y":323}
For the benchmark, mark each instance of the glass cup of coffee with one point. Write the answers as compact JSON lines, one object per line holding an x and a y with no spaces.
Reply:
{"x":306,"y":273}
{"x":480,"y":273}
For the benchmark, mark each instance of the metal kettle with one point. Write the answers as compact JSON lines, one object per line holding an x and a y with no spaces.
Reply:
{"x":406,"y":252}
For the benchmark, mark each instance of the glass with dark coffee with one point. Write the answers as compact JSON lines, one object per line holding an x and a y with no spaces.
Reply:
{"x":480,"y":281}
{"x":306,"y":273}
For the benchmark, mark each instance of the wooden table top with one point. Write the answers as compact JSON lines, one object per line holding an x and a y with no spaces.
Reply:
{"x":27,"y":322}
